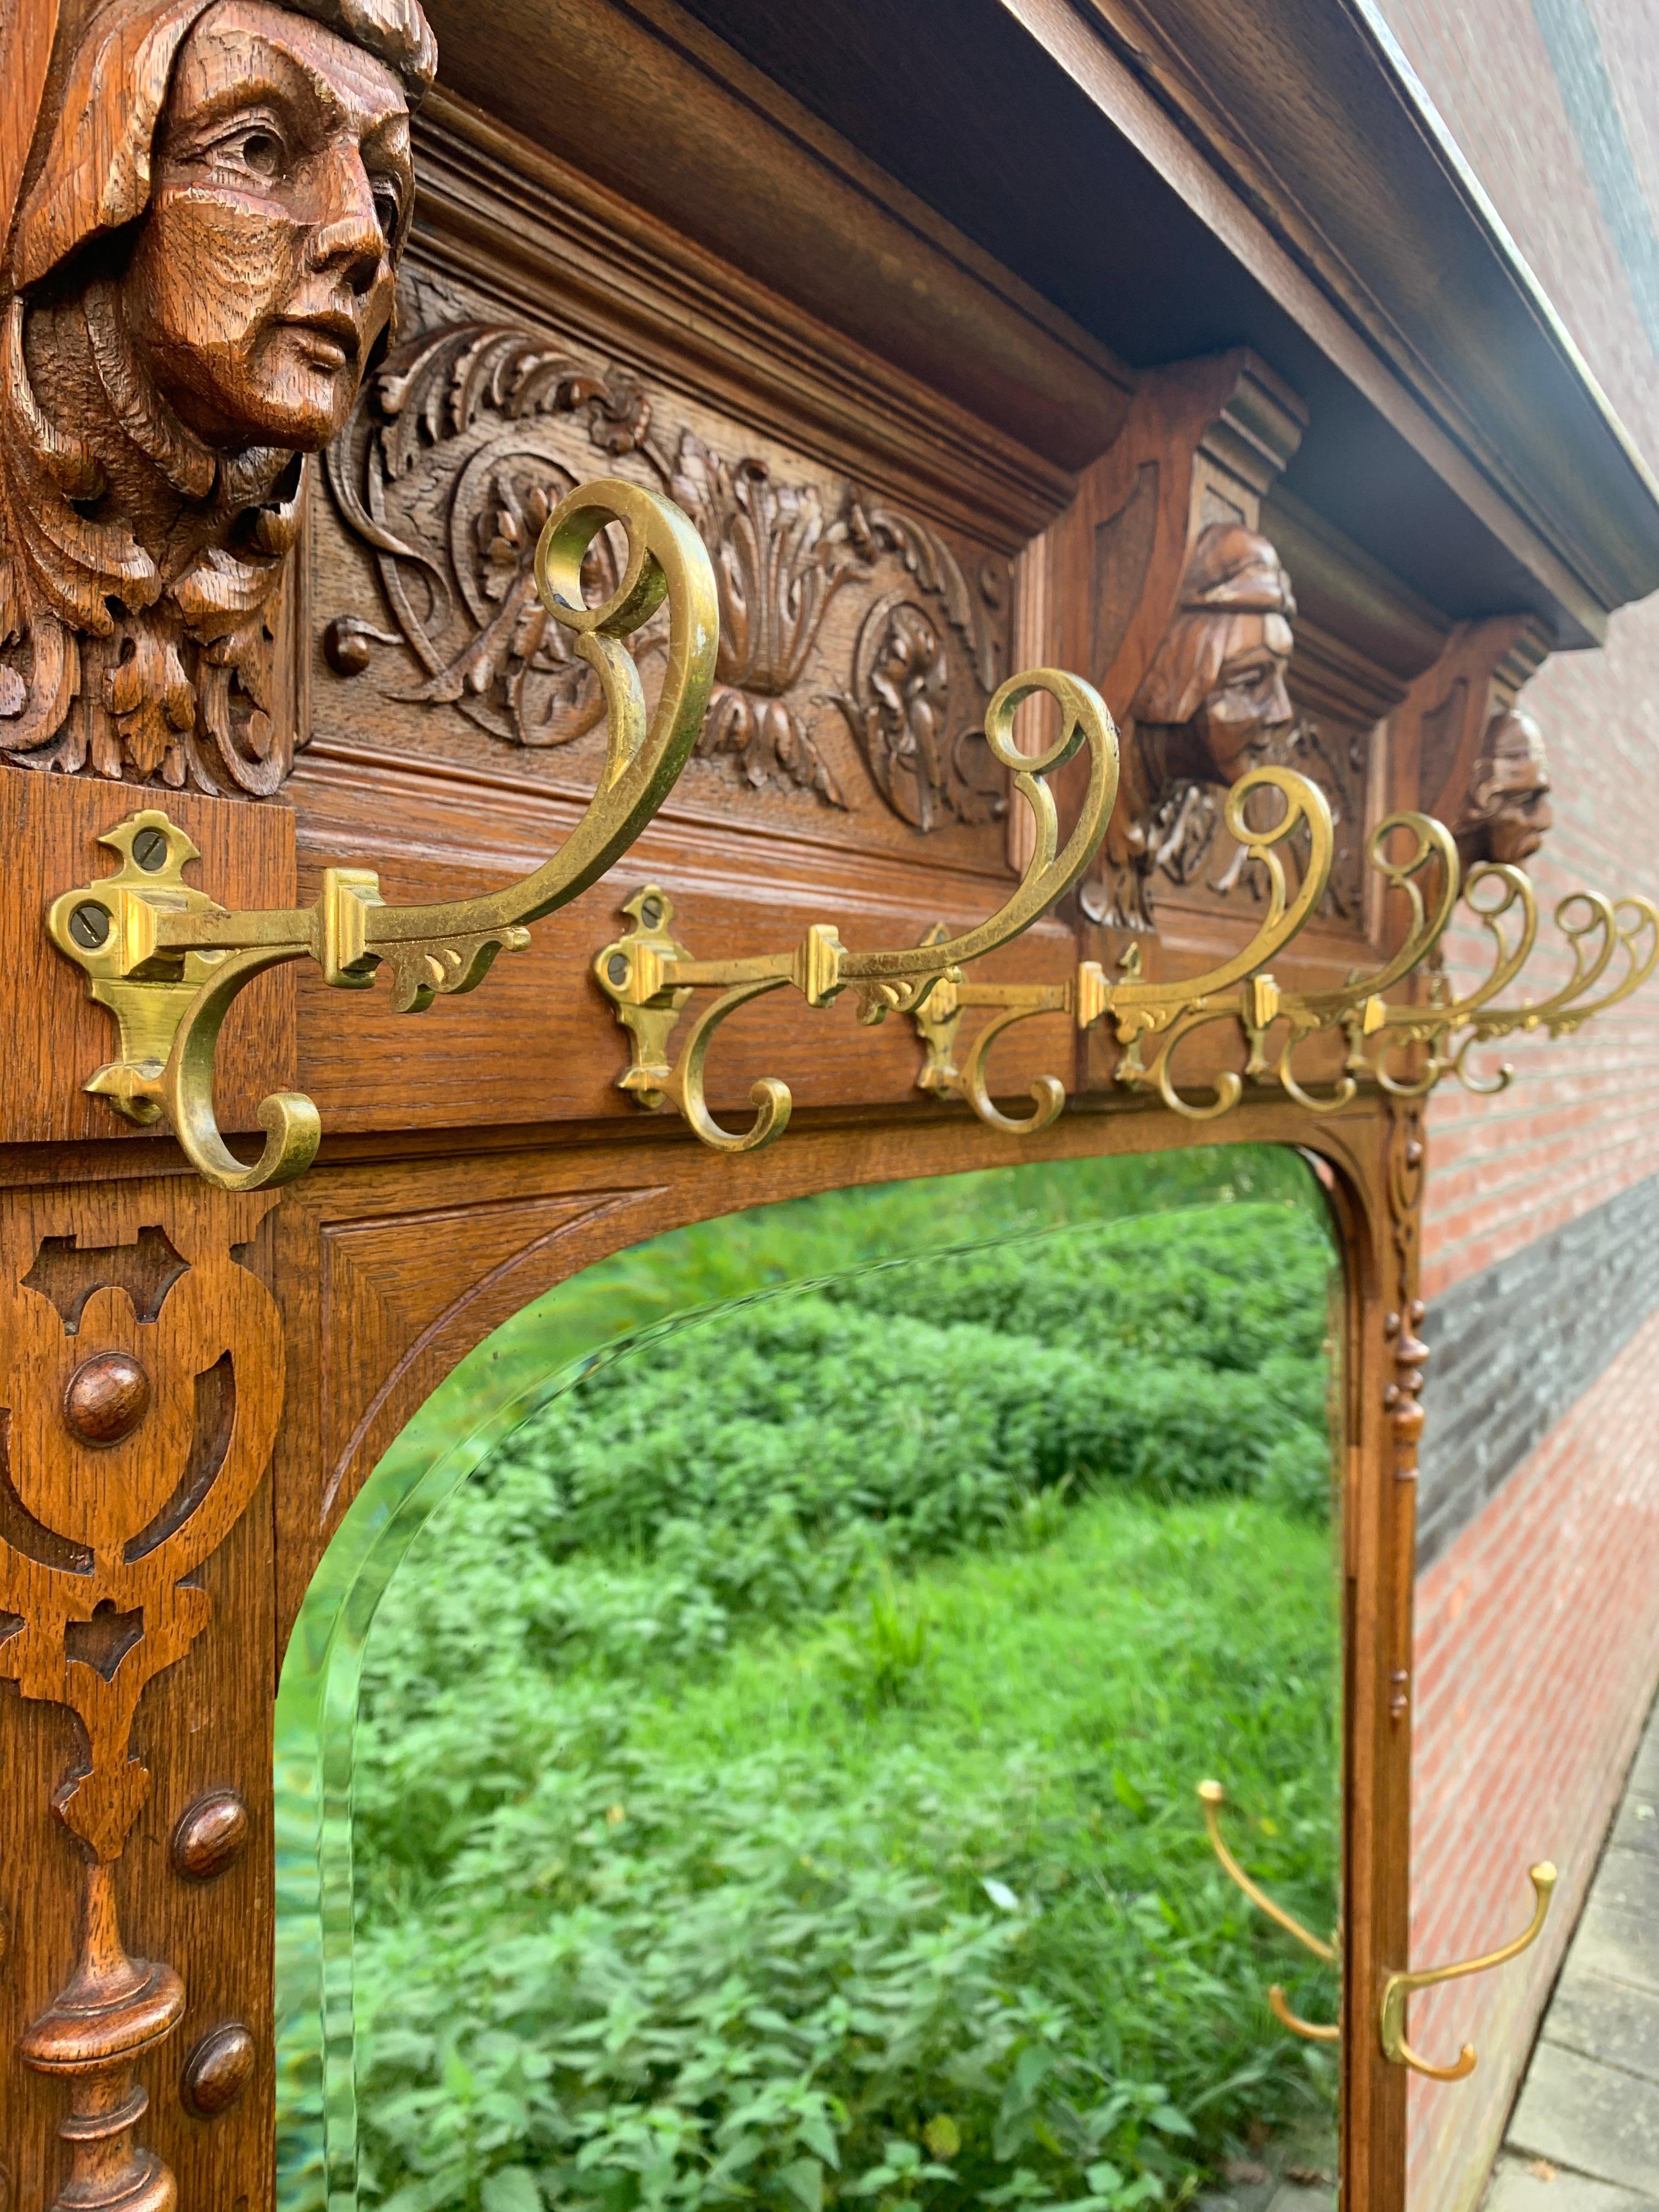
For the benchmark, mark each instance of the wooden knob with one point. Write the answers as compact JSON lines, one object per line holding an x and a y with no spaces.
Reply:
{"x":217,"y":2071}
{"x":209,"y":1836}
{"x":105,"y":1398}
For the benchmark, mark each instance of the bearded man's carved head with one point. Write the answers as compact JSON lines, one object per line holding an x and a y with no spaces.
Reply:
{"x":1507,"y":813}
{"x":202,"y":265}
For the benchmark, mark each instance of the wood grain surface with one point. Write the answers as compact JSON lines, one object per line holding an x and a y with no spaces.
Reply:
{"x":634,"y":253}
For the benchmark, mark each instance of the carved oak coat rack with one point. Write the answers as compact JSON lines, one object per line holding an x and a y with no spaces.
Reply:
{"x":332,"y":624}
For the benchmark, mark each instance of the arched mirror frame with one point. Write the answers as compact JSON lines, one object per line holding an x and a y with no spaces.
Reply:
{"x":1370,"y":1160}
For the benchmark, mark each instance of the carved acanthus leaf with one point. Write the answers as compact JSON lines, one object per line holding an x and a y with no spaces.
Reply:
{"x":468,"y":437}
{"x":1189,"y":844}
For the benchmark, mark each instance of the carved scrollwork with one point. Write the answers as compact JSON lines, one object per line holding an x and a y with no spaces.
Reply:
{"x":471,"y":434}
{"x":455,"y":544}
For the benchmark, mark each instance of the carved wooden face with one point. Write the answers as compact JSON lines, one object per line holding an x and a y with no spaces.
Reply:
{"x":1248,"y":701}
{"x":265,"y":269}
{"x":1510,"y":801}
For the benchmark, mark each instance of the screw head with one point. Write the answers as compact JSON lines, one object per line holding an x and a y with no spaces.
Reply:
{"x":616,"y":967}
{"x":89,"y":924}
{"x":651,"y":913}
{"x":149,"y":849}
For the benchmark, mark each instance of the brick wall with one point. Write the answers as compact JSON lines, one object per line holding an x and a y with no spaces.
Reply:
{"x":1538,"y":1649}
{"x":1538,"y":1597}
{"x":1538,"y":1592}
{"x":1578,"y":1123}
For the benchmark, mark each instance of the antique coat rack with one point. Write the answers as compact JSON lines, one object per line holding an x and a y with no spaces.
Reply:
{"x":681,"y":533}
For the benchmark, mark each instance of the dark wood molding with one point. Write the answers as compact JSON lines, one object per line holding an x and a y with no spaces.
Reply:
{"x":1195,"y":175}
{"x":644,"y":103}
{"x":502,"y":215}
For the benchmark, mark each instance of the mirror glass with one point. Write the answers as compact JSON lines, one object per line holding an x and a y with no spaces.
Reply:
{"x":769,"y":1775}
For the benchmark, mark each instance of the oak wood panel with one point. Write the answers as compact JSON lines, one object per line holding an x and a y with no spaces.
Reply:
{"x":501,"y":215}
{"x":537,"y":1041}
{"x":202,"y":1722}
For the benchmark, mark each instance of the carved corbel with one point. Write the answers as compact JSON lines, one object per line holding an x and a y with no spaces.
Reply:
{"x":1162,"y":571}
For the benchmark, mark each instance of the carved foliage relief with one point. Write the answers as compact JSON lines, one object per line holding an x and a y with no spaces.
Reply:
{"x":1192,"y":848}
{"x":858,"y":647}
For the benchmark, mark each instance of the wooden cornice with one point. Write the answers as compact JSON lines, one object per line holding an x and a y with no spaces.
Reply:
{"x":1324,"y":130}
{"x":1180,"y":176}
{"x":644,"y":103}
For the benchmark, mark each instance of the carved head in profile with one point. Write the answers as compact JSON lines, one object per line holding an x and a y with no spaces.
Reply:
{"x":1215,"y":692}
{"x":1210,"y":703}
{"x":1507,"y":811}
{"x":202,"y":265}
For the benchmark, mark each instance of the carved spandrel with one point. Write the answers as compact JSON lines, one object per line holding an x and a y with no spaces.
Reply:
{"x":203,"y":262}
{"x":858,"y":645}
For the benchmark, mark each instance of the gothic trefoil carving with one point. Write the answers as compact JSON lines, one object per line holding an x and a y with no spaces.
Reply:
{"x":469,"y":434}
{"x":202,"y":261}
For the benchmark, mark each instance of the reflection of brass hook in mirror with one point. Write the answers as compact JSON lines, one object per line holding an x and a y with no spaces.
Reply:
{"x":1399,"y":1987}
{"x":1212,"y":1797}
{"x":647,"y":974}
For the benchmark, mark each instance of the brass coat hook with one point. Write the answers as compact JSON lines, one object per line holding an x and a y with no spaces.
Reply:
{"x":1399,"y":1987}
{"x":169,"y":962}
{"x":1276,"y":1022}
{"x":1212,"y":1797}
{"x":647,"y":974}
{"x":1143,"y":1012}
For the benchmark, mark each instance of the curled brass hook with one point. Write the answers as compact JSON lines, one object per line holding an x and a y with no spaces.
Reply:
{"x":684,"y":1086}
{"x":1048,"y":1092}
{"x":1398,"y":1987}
{"x":169,"y":962}
{"x":1212,"y":1797}
{"x":647,"y":974}
{"x":1167,"y":1010}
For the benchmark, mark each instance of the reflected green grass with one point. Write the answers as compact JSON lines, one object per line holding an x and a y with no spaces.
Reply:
{"x":1069,"y":1681}
{"x":990,"y":1763}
